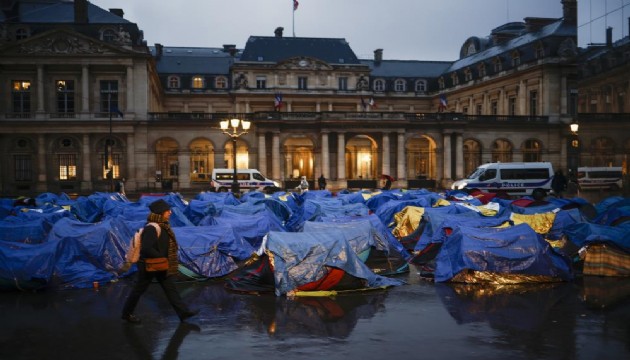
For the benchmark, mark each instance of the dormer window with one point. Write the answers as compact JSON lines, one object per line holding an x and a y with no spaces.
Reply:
{"x":468,"y":74}
{"x":496,"y":63}
{"x":198,"y":82}
{"x":220,"y":82}
{"x":441,"y":83}
{"x":516,"y":58}
{"x":539,"y":51}
{"x":173,"y":82}
{"x":108,"y":35}
{"x":399,"y":85}
{"x":21,"y":33}
{"x":455,"y":79}
{"x":379,"y":85}
{"x":421,"y":86}
{"x":482,"y":70}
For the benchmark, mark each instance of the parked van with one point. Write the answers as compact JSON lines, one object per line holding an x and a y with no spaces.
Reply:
{"x":600,"y":178}
{"x":514,"y":178}
{"x":248,"y":179}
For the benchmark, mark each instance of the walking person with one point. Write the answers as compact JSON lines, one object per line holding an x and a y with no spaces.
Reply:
{"x":321,"y":182}
{"x":559,"y":183}
{"x":155,"y":246}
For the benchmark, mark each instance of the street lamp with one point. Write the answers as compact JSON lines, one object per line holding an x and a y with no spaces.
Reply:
{"x":574,"y":158}
{"x":234,"y":133}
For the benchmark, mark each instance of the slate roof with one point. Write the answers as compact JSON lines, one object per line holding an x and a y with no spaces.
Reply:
{"x":407,"y":68}
{"x":558,"y":28}
{"x":62,"y":12}
{"x":192,"y":60}
{"x":276,"y":49}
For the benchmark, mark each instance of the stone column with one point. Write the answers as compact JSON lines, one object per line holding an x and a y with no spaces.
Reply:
{"x":459,"y":156}
{"x":447,"y":156}
{"x":86,"y":181}
{"x":183,"y":178}
{"x":129,"y":107}
{"x":275,"y":157}
{"x":85,"y":89}
{"x":325,"y":156}
{"x":40,"y":88}
{"x":42,"y":185}
{"x":341,"y":156}
{"x":262,"y":154}
{"x":130,"y":177}
{"x":386,"y":169}
{"x":401,"y":156}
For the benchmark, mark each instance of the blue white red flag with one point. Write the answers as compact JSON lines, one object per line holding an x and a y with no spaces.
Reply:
{"x":372,"y":103}
{"x":443,"y":102}
{"x":277,"y":101}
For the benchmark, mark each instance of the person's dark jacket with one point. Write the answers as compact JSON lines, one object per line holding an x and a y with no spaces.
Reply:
{"x":152,"y":246}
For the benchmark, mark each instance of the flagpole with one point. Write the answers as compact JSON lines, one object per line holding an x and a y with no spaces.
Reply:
{"x":293,"y":20}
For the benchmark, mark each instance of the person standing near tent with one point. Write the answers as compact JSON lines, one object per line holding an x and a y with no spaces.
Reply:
{"x":156,"y":245}
{"x":321,"y":182}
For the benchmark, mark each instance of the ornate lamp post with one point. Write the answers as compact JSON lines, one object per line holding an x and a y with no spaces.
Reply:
{"x":574,"y":151}
{"x":234,"y":133}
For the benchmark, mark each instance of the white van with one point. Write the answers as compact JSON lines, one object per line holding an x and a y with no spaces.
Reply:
{"x":514,"y":178}
{"x":600,"y":178}
{"x":248,"y":179}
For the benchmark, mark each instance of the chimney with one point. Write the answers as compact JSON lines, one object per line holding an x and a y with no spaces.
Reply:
{"x":279,"y":31}
{"x":569,"y":11}
{"x":81,"y":11}
{"x":117,"y":12}
{"x":158,"y":50}
{"x":609,"y":36}
{"x":378,"y":56}
{"x":229,"y":48}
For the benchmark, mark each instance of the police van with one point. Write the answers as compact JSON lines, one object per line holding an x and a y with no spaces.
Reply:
{"x":600,"y":178}
{"x":248,"y":179}
{"x":514,"y":178}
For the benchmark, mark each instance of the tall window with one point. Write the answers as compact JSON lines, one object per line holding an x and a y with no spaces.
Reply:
{"x":482,"y":70}
{"x":343,"y":83}
{"x":421,"y":86}
{"x":603,"y":152}
{"x":496,"y":63}
{"x":109,"y":36}
{"x":502,"y":151}
{"x":23,"y":167}
{"x":479,"y":109}
{"x":400,"y":85}
{"x":472,"y":155}
{"x":173,"y":82}
{"x":533,"y":103}
{"x":455,"y":79}
{"x":468,"y":74}
{"x":65,"y":96}
{"x":109,"y":95}
{"x":221,"y":82}
{"x":516,"y":59}
{"x":302,"y":83}
{"x":67,"y":166}
{"x":112,"y":160}
{"x":197,"y":82}
{"x":512,"y":105}
{"x":261,"y":82}
{"x":532,"y":151}
{"x":379,"y":85}
{"x":494,"y":106}
{"x":21,"y":96}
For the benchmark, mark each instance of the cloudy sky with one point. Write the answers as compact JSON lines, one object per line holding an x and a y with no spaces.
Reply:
{"x":404,"y":29}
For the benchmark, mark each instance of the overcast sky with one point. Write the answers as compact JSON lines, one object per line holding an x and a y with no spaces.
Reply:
{"x":404,"y":29}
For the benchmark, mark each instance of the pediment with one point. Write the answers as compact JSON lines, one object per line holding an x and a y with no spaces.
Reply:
{"x":61,"y":42}
{"x":303,"y":63}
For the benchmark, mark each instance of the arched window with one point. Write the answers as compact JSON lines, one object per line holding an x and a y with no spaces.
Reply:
{"x":109,"y":35}
{"x":501,"y":151}
{"x":173,"y":82}
{"x":516,"y":58}
{"x":198,"y":82}
{"x":532,"y":150}
{"x":400,"y":85}
{"x":472,"y":155}
{"x":603,"y":150}
{"x":220,"y":82}
{"x":497,"y":64}
{"x":379,"y":85}
{"x":421,"y":86}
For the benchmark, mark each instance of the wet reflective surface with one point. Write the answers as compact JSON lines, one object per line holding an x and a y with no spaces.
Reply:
{"x":586,"y":319}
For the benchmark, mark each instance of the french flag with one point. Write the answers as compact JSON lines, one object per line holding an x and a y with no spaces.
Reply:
{"x":277,"y":101}
{"x":443,"y":102}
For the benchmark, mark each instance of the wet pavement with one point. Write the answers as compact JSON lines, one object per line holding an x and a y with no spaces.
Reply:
{"x":585,"y":319}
